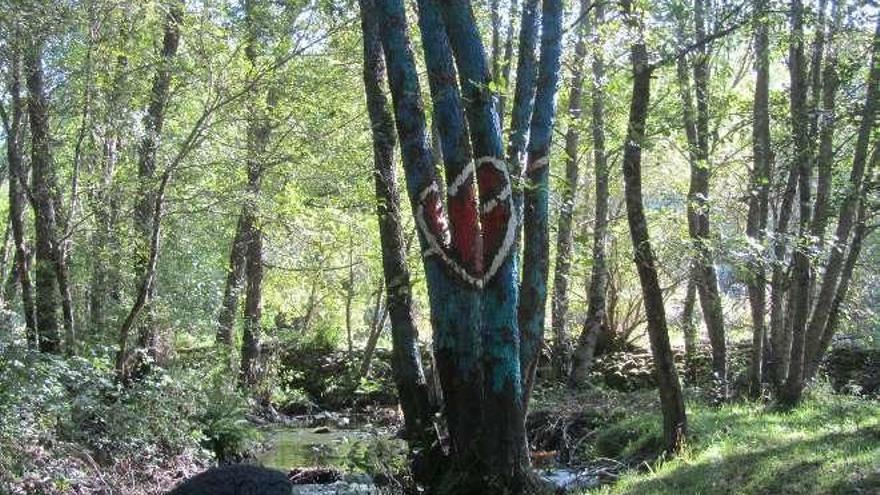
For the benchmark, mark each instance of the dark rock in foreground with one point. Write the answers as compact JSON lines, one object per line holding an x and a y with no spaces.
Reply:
{"x":236,"y":479}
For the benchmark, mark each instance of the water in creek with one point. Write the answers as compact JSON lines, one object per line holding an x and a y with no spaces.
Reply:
{"x":359,"y":451}
{"x":349,"y":450}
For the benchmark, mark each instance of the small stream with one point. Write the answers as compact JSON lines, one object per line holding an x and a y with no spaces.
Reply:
{"x":360,"y":450}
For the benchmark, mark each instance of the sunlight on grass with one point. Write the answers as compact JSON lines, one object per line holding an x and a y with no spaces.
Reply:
{"x":831,"y":444}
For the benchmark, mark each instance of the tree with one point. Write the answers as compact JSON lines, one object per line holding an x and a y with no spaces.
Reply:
{"x":818,"y":332}
{"x":12,"y":124}
{"x":596,"y":323}
{"x":409,"y":376}
{"x":569,"y":194}
{"x":759,"y":192}
{"x":259,"y":127}
{"x":697,"y":130}
{"x":672,"y":403}
{"x":800,"y":278}
{"x":148,"y":202}
{"x":477,"y":336}
{"x":43,"y":172}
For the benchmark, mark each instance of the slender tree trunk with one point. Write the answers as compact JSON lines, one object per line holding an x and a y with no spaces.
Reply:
{"x":800,"y":279}
{"x":536,"y":213}
{"x":251,"y":345}
{"x":258,"y":134}
{"x":524,"y":94}
{"x":147,"y":189}
{"x":597,"y":319}
{"x":824,"y":119}
{"x":855,"y":247}
{"x":508,"y":59}
{"x":349,"y":293}
{"x":104,"y":287}
{"x":697,"y":131}
{"x":377,"y":324}
{"x":409,"y":376}
{"x":130,"y":365}
{"x":759,"y":193}
{"x":17,"y":187}
{"x":232,"y":289}
{"x":671,"y":401}
{"x":689,"y":328}
{"x":847,"y":213}
{"x":569,"y":194}
{"x":43,"y":170}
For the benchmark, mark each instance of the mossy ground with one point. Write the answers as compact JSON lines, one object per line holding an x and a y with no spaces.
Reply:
{"x":828,"y":445}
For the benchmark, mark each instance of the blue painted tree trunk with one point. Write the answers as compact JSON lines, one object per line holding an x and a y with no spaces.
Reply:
{"x":469,"y":243}
{"x":536,"y":217}
{"x":457,"y":346}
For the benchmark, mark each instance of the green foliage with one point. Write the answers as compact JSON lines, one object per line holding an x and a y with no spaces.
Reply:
{"x":227,"y":433}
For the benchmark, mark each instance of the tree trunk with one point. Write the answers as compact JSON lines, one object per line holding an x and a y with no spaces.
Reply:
{"x":147,"y":188}
{"x":689,"y":329}
{"x":130,"y":365}
{"x":259,"y":128}
{"x":524,"y":94}
{"x":824,"y":119}
{"x":232,"y":289}
{"x":508,"y":60}
{"x":671,"y":401}
{"x":536,"y":212}
{"x":847,"y":213}
{"x":17,"y":187}
{"x":349,"y":293}
{"x":377,"y":324}
{"x":597,"y":319}
{"x":43,"y":170}
{"x":759,"y":193}
{"x":855,"y":247}
{"x":409,"y":376}
{"x":105,"y":285}
{"x":800,"y":279}
{"x":568,"y":196}
{"x":696,"y":125}
{"x":251,"y":345}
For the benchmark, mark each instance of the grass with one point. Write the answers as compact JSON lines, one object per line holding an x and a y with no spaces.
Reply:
{"x":829,"y":445}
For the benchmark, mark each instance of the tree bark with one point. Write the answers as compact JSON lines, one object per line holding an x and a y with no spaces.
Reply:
{"x":536,"y":212}
{"x":855,"y":247}
{"x":508,"y":60}
{"x":564,"y":236}
{"x":154,"y":120}
{"x":800,"y":279}
{"x":17,"y":187}
{"x":43,"y":171}
{"x":759,"y":194}
{"x":259,"y":128}
{"x":409,"y":376}
{"x":596,"y":323}
{"x":689,"y":329}
{"x":672,"y":403}
{"x":847,"y":213}
{"x":234,"y":283}
{"x":697,"y":132}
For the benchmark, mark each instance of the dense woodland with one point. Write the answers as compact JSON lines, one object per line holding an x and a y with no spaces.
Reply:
{"x":628,"y":239}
